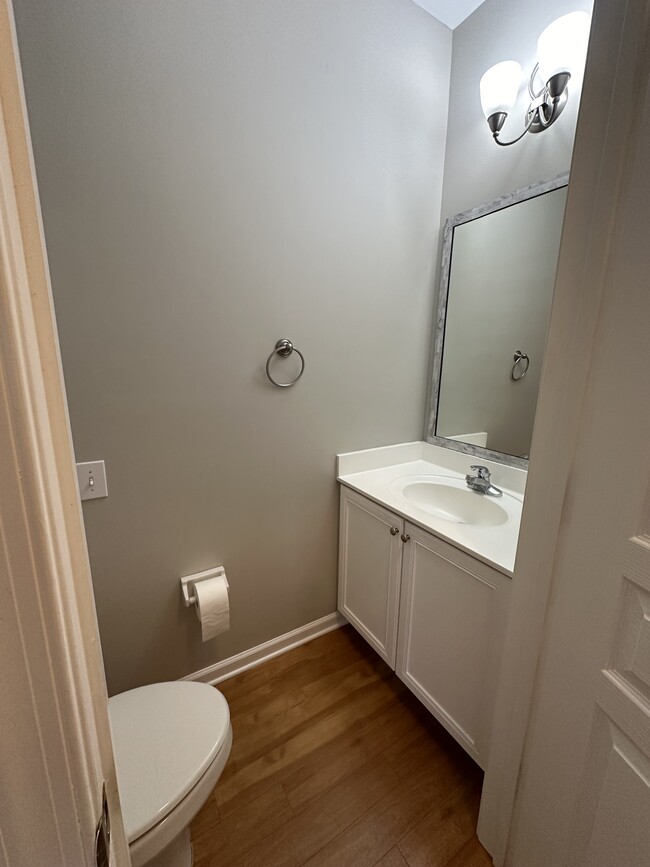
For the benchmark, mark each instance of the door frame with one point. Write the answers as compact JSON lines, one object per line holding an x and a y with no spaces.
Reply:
{"x":57,"y":749}
{"x":606,"y":133}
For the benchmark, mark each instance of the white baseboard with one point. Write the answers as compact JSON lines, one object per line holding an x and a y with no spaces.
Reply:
{"x":263,"y":652}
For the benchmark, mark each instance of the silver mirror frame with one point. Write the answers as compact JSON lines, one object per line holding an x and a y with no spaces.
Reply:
{"x":506,"y":201}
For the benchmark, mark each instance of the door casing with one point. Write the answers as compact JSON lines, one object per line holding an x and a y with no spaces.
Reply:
{"x":56,"y":746}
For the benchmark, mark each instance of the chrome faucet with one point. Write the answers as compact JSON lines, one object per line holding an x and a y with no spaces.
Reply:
{"x":482,"y":482}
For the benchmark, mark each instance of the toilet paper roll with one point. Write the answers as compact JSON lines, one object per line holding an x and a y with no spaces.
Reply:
{"x":213,"y":606}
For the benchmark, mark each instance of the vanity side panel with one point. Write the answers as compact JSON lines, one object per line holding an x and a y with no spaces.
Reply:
{"x":370,"y":562}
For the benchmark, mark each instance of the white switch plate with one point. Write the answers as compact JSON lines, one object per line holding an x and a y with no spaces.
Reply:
{"x":91,"y":477}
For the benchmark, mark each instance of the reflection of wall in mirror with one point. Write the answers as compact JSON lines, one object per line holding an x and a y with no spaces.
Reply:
{"x":474,"y":439}
{"x":500,"y":290}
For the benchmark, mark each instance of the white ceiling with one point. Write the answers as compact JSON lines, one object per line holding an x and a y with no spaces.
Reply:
{"x":450,"y":12}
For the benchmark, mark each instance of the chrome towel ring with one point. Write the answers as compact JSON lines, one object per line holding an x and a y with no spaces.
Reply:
{"x":284,"y":348}
{"x":517,"y":372}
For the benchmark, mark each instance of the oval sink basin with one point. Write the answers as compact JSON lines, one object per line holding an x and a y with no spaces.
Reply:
{"x":451,"y":500}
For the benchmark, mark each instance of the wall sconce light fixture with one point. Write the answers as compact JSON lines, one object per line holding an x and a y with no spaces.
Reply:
{"x":561,"y":53}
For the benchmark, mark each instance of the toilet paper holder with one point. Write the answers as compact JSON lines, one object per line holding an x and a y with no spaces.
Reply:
{"x":188,"y":582}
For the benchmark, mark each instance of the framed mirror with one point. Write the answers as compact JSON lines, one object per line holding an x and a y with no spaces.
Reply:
{"x":497,"y":278}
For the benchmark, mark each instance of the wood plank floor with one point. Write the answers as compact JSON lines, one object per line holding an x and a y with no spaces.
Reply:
{"x":334,"y":762}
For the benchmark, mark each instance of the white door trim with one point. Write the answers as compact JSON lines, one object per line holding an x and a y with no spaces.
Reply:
{"x":606,"y":134}
{"x":53,"y":714}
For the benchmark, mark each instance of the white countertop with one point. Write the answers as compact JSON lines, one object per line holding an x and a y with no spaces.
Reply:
{"x":380,"y":474}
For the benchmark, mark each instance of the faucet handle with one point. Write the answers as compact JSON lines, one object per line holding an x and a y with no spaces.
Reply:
{"x":483,"y":472}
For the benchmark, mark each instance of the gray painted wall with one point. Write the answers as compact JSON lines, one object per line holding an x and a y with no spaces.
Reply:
{"x":215,"y":176}
{"x":476,"y":169}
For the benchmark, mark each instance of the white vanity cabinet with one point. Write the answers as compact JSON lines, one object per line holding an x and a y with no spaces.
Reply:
{"x":370,"y":563}
{"x":451,"y":627}
{"x":434,"y":613}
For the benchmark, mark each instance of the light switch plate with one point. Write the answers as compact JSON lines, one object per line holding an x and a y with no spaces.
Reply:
{"x":91,"y":477}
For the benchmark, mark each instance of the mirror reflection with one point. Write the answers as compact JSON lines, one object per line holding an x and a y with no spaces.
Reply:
{"x":499,"y":264}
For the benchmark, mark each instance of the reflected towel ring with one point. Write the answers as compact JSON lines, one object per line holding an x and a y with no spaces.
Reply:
{"x":284,"y":348}
{"x":519,"y":358}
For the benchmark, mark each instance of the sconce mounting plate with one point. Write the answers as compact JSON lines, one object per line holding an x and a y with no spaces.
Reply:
{"x":536,"y":125}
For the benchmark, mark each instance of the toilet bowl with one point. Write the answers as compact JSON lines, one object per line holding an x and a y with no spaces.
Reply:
{"x":171,"y":742}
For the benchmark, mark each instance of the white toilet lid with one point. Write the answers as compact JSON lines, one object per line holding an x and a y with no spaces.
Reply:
{"x":165,"y":736}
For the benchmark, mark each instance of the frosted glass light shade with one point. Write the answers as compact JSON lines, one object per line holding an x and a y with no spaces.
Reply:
{"x":499,"y":87}
{"x":562,"y":47}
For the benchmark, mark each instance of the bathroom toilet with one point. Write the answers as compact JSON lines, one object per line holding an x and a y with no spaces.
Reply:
{"x":171,"y":742}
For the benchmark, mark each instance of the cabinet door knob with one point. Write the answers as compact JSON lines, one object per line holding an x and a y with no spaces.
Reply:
{"x":394,"y":531}
{"x":405,"y":537}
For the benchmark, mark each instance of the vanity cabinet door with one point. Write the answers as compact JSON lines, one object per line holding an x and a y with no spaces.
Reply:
{"x":450,"y":636}
{"x":370,"y":561}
